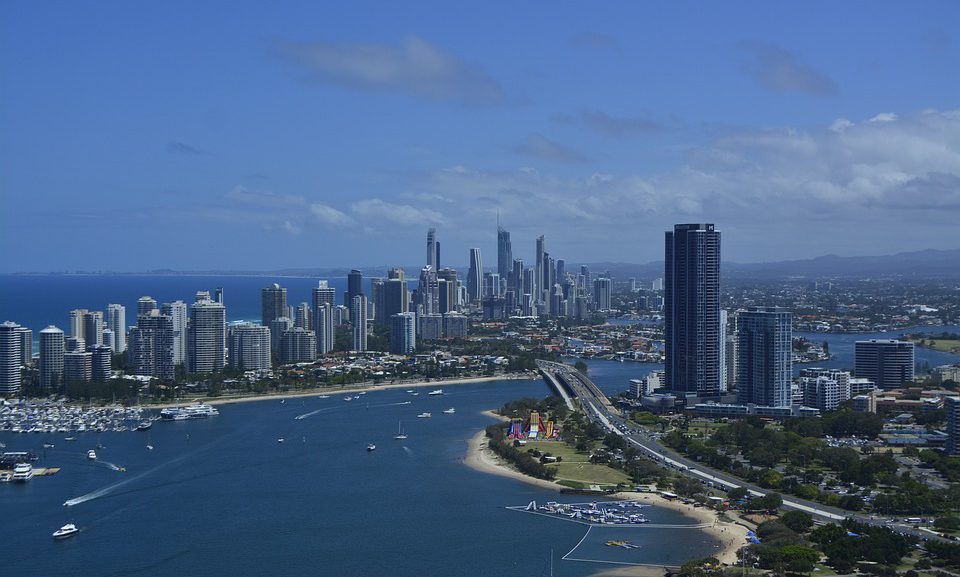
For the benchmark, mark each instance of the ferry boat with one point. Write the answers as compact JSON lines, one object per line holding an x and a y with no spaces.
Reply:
{"x":23,"y":472}
{"x":435,"y":393}
{"x":91,"y":454}
{"x":195,"y":411}
{"x":65,"y":532}
{"x":424,"y":415}
{"x":371,"y":447}
{"x":450,"y":411}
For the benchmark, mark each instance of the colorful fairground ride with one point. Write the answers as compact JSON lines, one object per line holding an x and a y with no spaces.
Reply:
{"x":535,"y":427}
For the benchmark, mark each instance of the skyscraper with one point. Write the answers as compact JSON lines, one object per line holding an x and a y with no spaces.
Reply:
{"x":151,"y":348}
{"x":764,"y":356}
{"x":602,"y":289}
{"x":101,"y":360}
{"x":10,"y":358}
{"x":692,"y":309}
{"x":298,"y":345}
{"x":93,"y":328}
{"x":273,"y":303}
{"x":51,"y":357}
{"x":206,"y":340}
{"x":145,"y":305}
{"x":395,"y":297}
{"x":504,"y":252}
{"x":475,"y":276}
{"x":354,"y":287}
{"x":279,"y":326}
{"x":447,"y":290}
{"x":77,"y":367}
{"x":304,"y":316}
{"x":249,"y":347}
{"x":433,"y":249}
{"x":177,"y":311}
{"x":403,"y":333}
{"x":26,"y":345}
{"x":375,"y":303}
{"x":886,"y":362}
{"x":538,"y":284}
{"x":117,"y":322}
{"x":358,"y":317}
{"x":324,"y":322}
{"x":951,"y":406}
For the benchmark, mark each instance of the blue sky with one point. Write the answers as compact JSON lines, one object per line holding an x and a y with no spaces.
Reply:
{"x":239,"y":135}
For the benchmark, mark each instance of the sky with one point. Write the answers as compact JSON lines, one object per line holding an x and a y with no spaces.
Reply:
{"x":259,"y":135}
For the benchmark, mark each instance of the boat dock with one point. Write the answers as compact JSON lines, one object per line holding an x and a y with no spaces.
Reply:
{"x":37,"y":471}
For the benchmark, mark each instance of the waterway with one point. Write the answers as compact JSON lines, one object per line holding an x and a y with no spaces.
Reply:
{"x":221,"y":496}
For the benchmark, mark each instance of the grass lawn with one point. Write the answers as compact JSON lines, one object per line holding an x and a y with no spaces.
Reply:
{"x":945,"y":345}
{"x":577,"y":467}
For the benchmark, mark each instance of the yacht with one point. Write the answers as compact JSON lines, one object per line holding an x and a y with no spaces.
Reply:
{"x":5,"y":477}
{"x":91,"y":454}
{"x":23,"y":472}
{"x":424,"y":416}
{"x":400,"y":434}
{"x":68,"y":530}
{"x":371,"y":447}
{"x":144,"y":425}
{"x":200,"y":411}
{"x":435,"y":393}
{"x":70,"y":439}
{"x":450,"y":411}
{"x":348,"y":399}
{"x":281,"y":439}
{"x":324,"y":397}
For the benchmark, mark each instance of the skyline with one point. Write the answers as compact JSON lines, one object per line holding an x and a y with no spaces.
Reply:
{"x":317,"y":138}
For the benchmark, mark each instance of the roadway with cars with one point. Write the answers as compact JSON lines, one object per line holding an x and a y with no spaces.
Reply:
{"x":599,"y":409}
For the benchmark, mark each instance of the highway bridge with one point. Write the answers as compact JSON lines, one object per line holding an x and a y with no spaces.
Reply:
{"x":578,"y":390}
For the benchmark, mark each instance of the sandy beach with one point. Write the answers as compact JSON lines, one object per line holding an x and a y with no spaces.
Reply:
{"x":349,"y":389}
{"x":732,"y":536}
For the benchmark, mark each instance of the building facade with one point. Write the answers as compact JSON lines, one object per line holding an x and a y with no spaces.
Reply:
{"x":51,"y":357}
{"x":692,"y":309}
{"x":886,"y":362}
{"x":403,"y":333}
{"x":150,"y":351}
{"x":10,"y":358}
{"x":250,"y":347}
{"x":764,"y":356}
{"x":206,"y":338}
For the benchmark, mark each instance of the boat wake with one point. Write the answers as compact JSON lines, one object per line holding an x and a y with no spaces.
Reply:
{"x":110,"y":465}
{"x":312,"y":413}
{"x":393,"y":404}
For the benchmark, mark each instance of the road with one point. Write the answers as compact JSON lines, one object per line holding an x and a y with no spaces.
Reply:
{"x":599,"y":409}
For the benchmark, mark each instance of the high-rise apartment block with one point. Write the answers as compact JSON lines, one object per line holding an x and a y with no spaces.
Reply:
{"x":692,"y":309}
{"x":764,"y":356}
{"x":886,"y":362}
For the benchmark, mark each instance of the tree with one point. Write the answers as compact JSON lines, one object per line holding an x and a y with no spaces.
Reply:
{"x":947,"y":523}
{"x":737,"y":494}
{"x":797,"y":521}
{"x":581,"y":366}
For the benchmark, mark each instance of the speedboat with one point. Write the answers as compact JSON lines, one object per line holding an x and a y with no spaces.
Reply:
{"x":68,"y":530}
{"x":144,"y":425}
{"x":23,"y":472}
{"x":435,"y":393}
{"x":371,"y":447}
{"x":450,"y":411}
{"x":48,"y":445}
{"x":348,"y":399}
{"x":324,"y":397}
{"x":280,"y":440}
{"x":424,"y":415}
{"x":5,"y":477}
{"x":70,"y":439}
{"x":91,"y":454}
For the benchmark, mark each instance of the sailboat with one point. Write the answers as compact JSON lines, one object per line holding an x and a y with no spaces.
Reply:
{"x":400,"y":434}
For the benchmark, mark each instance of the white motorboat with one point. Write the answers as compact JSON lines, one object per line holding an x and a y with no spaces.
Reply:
{"x":91,"y":454}
{"x":435,"y":393}
{"x":450,"y":411}
{"x":22,"y":472}
{"x":424,"y":415}
{"x":371,"y":447}
{"x":68,"y":530}
{"x":5,"y":477}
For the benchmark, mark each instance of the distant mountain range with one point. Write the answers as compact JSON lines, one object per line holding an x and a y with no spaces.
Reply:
{"x":930,"y":263}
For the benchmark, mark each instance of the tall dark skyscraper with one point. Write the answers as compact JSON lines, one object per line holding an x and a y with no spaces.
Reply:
{"x":273,"y":304}
{"x":692,"y":309}
{"x":354,"y":287}
{"x":886,"y":362}
{"x":433,"y":249}
{"x":475,"y":276}
{"x":504,"y":251}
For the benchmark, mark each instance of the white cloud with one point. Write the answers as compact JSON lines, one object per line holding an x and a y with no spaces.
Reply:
{"x":376,"y":210}
{"x":329,"y":215}
{"x":414,"y":66}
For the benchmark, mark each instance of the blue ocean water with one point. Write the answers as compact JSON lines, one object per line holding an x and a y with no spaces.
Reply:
{"x":222,"y":497}
{"x":36,"y":301}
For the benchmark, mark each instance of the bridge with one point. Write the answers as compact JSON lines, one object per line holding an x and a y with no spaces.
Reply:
{"x":571,"y":384}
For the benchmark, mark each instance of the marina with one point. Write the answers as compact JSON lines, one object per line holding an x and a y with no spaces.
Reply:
{"x":56,"y":416}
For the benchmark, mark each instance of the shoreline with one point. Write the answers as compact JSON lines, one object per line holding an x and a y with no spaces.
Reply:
{"x":330,"y":391}
{"x":731,"y":536}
